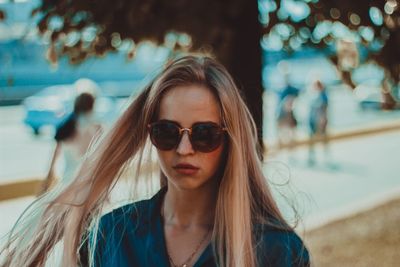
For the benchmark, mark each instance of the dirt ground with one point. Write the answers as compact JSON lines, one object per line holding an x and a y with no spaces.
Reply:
{"x":367,"y":239}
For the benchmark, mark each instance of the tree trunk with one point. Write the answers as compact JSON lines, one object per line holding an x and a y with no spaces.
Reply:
{"x":388,"y":101}
{"x":244,"y":61}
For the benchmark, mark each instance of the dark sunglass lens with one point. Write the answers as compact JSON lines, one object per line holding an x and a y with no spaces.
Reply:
{"x":164,"y":135}
{"x":206,"y":137}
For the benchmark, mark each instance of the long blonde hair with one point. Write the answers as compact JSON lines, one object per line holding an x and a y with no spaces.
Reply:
{"x":244,"y":199}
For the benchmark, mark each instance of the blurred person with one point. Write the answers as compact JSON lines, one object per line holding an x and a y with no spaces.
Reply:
{"x":73,"y":138}
{"x":286,"y":119}
{"x":318,"y":119}
{"x":213,"y":205}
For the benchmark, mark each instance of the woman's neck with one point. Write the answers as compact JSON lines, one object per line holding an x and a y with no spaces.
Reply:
{"x":189,"y":208}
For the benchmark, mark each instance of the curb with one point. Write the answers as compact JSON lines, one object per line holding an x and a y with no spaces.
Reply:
{"x":30,"y":186}
{"x":364,"y":205}
{"x":27,"y":187}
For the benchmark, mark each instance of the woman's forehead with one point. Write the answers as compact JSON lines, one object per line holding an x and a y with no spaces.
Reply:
{"x":189,"y":104}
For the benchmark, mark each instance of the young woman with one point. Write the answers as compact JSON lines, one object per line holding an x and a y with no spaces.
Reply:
{"x":213,"y":206}
{"x":73,"y":138}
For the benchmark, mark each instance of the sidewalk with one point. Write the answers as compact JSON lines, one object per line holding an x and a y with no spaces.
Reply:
{"x":11,"y":211}
{"x":356,"y":174}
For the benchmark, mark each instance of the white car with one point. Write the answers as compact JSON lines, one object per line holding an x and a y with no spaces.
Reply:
{"x":52,"y":105}
{"x":369,"y":96}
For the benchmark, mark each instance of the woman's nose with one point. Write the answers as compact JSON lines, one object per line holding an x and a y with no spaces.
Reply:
{"x":185,"y":146}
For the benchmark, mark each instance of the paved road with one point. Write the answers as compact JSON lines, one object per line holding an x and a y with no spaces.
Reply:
{"x":22,"y":155}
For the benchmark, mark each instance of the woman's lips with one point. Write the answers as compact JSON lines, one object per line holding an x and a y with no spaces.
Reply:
{"x":184,"y":168}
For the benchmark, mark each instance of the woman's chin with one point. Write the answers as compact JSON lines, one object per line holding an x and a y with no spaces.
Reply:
{"x":188,"y":183}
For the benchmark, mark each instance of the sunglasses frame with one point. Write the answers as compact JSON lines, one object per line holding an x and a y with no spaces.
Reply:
{"x":182,"y":130}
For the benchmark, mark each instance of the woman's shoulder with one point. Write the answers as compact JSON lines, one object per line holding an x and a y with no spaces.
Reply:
{"x":136,"y":211}
{"x":281,"y":238}
{"x":281,"y":247}
{"x":120,"y":211}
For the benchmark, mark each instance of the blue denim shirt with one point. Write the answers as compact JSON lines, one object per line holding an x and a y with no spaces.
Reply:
{"x":133,"y":235}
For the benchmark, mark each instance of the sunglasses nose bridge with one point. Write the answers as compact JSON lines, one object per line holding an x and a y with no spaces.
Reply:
{"x":187,"y":146}
{"x":182,"y":131}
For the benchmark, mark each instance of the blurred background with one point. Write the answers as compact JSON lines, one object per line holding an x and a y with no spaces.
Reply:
{"x":321,"y":78}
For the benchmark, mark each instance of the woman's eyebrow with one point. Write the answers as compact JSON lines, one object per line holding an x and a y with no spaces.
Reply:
{"x":171,"y":121}
{"x":196,"y":122}
{"x":175,"y":122}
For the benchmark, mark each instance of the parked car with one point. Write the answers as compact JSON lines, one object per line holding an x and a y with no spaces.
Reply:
{"x":52,"y":105}
{"x":368,"y":96}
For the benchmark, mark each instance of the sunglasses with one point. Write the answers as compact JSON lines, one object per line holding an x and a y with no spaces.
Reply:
{"x":204,"y":136}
